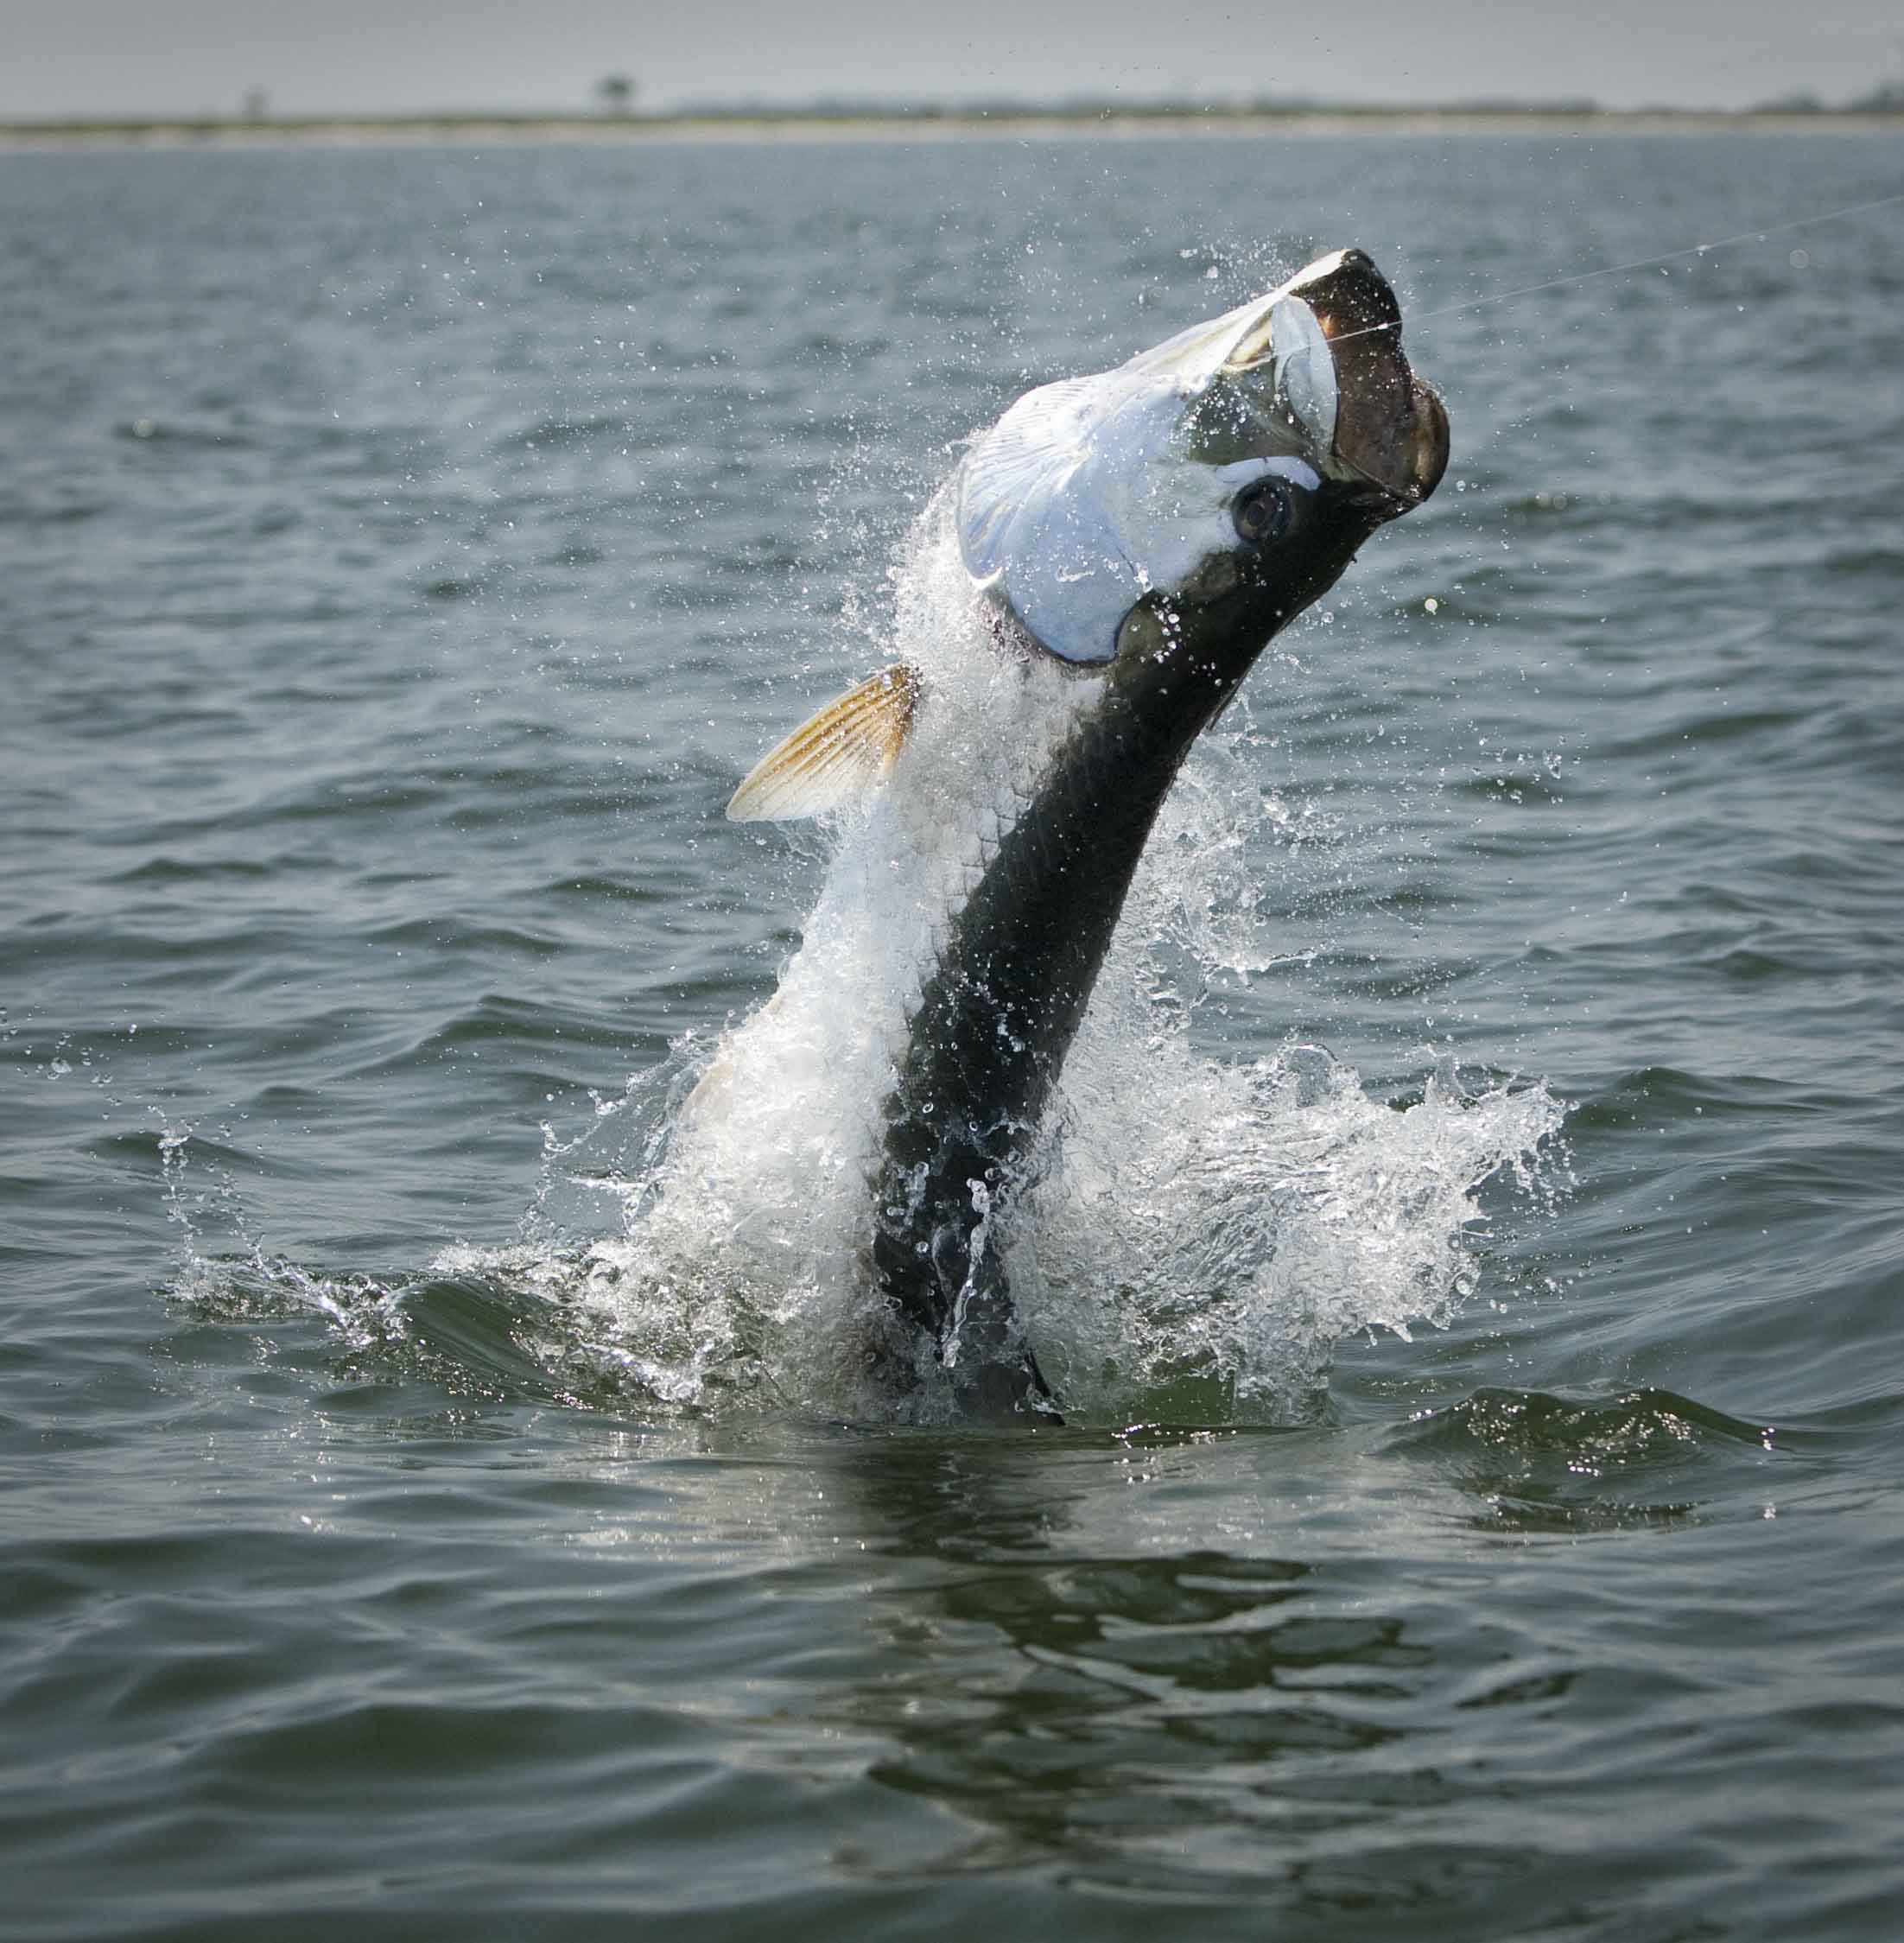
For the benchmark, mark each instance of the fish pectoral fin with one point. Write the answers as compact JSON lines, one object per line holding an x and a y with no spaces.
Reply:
{"x":850,"y":744}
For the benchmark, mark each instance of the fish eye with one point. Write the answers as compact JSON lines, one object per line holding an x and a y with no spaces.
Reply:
{"x":1264,"y":511}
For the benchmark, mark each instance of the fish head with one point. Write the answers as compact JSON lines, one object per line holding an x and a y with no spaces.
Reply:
{"x":1211,"y":488}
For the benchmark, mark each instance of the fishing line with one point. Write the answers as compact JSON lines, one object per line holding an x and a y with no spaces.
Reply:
{"x":1626,"y":269}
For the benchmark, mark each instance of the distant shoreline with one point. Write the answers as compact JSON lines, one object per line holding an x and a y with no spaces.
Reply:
{"x":930,"y":126}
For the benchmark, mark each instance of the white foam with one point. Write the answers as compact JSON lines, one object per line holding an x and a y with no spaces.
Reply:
{"x":1227,"y":1222}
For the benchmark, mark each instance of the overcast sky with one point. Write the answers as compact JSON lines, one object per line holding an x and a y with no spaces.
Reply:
{"x":170,"y":57}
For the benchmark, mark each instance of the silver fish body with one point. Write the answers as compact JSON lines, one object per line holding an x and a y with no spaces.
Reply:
{"x":1149,"y":530}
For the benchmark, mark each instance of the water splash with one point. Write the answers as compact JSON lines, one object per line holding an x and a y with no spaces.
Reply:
{"x":1195,"y":1234}
{"x":1187,"y":1222}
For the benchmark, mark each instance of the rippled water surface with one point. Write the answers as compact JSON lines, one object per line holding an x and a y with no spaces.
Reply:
{"x":401,"y":557}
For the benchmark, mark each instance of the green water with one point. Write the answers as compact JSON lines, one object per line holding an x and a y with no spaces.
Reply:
{"x":401,"y":556}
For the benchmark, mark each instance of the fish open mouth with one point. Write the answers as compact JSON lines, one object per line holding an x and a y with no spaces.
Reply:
{"x":1092,"y":493}
{"x":1376,"y":420}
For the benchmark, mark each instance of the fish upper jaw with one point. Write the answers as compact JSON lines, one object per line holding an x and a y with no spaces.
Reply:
{"x":1316,"y":369}
{"x":1321,"y":358}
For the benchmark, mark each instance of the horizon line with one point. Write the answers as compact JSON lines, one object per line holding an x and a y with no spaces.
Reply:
{"x":1884,"y":104}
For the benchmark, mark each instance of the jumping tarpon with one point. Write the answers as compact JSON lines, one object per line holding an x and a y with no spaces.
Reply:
{"x":1147,"y":531}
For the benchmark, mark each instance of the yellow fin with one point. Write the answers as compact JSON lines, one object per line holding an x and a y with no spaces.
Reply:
{"x":845,"y":748}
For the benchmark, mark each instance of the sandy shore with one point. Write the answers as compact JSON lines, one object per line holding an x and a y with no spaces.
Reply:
{"x":480,"y":131}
